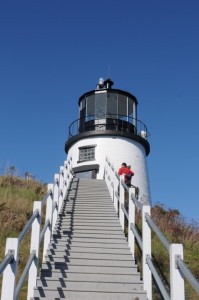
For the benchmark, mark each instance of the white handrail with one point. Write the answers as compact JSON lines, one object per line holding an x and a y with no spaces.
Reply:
{"x":177,"y":265}
{"x":53,"y":199}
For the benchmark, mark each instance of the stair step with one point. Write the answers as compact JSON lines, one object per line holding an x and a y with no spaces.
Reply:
{"x":92,"y":277}
{"x":90,"y":217}
{"x":92,"y":206}
{"x":88,"y":256}
{"x":78,"y":245}
{"x":88,"y":240}
{"x":89,"y":286}
{"x":73,"y":295}
{"x":90,"y":262}
{"x":89,"y":235}
{"x":90,"y":222}
{"x":92,"y":228}
{"x":65,"y":268}
{"x":87,"y":213}
{"x":94,"y":210}
{"x":88,"y":250}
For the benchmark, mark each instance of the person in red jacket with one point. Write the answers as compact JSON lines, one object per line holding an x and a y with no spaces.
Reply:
{"x":128,"y":173}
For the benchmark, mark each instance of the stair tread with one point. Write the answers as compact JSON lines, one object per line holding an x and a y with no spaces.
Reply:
{"x":87,"y":277}
{"x":89,"y":286}
{"x":88,"y":250}
{"x":73,"y":295}
{"x":82,"y":244}
{"x":88,"y":255}
{"x":90,"y":235}
{"x":90,"y":262}
{"x":64,"y":268}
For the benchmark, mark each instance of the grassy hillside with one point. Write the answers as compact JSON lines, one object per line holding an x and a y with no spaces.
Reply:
{"x":16,"y":203}
{"x":176,"y":230}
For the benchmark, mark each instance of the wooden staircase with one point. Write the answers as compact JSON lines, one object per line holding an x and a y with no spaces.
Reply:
{"x":88,"y":257}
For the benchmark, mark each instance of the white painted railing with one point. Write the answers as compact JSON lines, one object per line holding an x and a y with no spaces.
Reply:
{"x":126,"y":211}
{"x":53,"y":200}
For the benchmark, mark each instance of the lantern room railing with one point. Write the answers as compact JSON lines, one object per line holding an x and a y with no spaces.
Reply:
{"x":102,"y":122}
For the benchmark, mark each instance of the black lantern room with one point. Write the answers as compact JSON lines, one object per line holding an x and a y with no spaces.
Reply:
{"x":108,"y":111}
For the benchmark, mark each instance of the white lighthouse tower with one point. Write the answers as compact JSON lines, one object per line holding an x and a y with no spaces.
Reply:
{"x":108,"y":127}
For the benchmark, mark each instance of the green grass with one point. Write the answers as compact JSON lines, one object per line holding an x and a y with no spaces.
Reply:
{"x":176,"y":230}
{"x":16,"y":206}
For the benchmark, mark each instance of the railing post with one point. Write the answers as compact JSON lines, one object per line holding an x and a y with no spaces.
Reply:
{"x":108,"y":180}
{"x":9,"y":274}
{"x":34,"y":246}
{"x":107,"y":167}
{"x":55,"y":200}
{"x":65,"y":183}
{"x":121,"y":201}
{"x":146,"y":251}
{"x":116,"y":183}
{"x":49,"y":206}
{"x":70,"y":169}
{"x":176,"y":279}
{"x":61,"y":186}
{"x":112,"y":182}
{"x":106,"y":173}
{"x":131,"y":238}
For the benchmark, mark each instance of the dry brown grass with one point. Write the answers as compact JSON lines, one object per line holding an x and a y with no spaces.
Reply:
{"x":177,"y":230}
{"x":175,"y":225}
{"x":16,"y":205}
{"x":16,"y":202}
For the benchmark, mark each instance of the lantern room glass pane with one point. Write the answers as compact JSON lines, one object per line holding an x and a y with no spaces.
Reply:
{"x":130,"y":109}
{"x":91,"y":105}
{"x":83,"y":104}
{"x":122,"y":106}
{"x":111,"y":105}
{"x":100,"y":104}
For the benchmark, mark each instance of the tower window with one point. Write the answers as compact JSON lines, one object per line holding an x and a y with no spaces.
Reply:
{"x":86,"y":153}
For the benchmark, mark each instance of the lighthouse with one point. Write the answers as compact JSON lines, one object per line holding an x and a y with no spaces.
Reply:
{"x":108,"y":127}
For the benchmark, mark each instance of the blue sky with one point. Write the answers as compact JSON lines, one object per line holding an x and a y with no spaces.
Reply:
{"x":51,"y":52}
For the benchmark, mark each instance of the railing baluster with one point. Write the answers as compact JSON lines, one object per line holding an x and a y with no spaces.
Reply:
{"x":47,"y":235}
{"x":9,"y":274}
{"x":112,"y":183}
{"x":61,"y":187}
{"x":131,"y":238}
{"x":116,"y":189}
{"x":122,"y":197}
{"x":176,"y":279}
{"x":146,"y":251}
{"x":34,"y":246}
{"x":55,"y":200}
{"x":65,"y":182}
